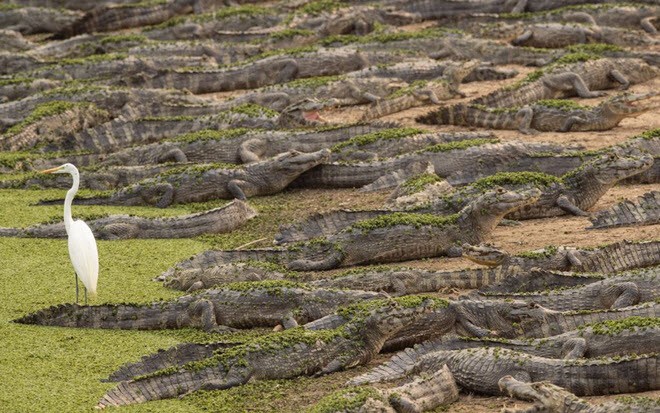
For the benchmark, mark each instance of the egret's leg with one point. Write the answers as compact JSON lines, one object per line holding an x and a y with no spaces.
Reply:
{"x":76,"y":276}
{"x":85,"y":295}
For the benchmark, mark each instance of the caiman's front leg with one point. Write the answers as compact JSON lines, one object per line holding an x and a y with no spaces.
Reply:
{"x":360,"y":95}
{"x":247,"y":150}
{"x":569,"y":206}
{"x":288,"y":71}
{"x":173,"y":155}
{"x":160,"y":195}
{"x":522,"y":38}
{"x":570,"y":81}
{"x":237,"y":188}
{"x":647,"y":24}
{"x":520,"y":6}
{"x":331,"y":261}
{"x":570,"y":122}
{"x":547,"y":397}
{"x":573,"y":259}
{"x":574,"y":348}
{"x":626,"y":293}
{"x":206,"y":311}
{"x":527,"y":114}
{"x":118,"y":231}
{"x":621,"y":78}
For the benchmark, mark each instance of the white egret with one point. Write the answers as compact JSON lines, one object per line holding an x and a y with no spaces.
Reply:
{"x":82,"y":245}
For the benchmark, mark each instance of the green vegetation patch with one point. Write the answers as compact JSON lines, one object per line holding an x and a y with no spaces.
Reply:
{"x":292,"y":51}
{"x":594,"y":48}
{"x":405,"y":218}
{"x":414,"y":86}
{"x":311,"y":82}
{"x":321,"y":6}
{"x":515,"y":178}
{"x":254,"y":111}
{"x":642,"y":401}
{"x":246,"y":10}
{"x":649,"y":134}
{"x":42,"y":111}
{"x":95,"y":58}
{"x":209,"y":135}
{"x":419,"y":182}
{"x":376,"y":37}
{"x":562,"y":104}
{"x":179,"y":118}
{"x":451,"y":146}
{"x":289,"y":33}
{"x":15,"y":81}
{"x":120,"y":38}
{"x":197,"y":169}
{"x":144,"y":3}
{"x":369,"y":138}
{"x":270,"y":344}
{"x":561,"y":10}
{"x":273,"y":287}
{"x":612,"y":327}
{"x":73,"y":89}
{"x":346,"y":400}
{"x":358,"y":312}
{"x":547,"y":252}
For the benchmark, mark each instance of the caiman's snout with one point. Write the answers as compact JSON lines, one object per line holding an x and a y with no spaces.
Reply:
{"x":510,"y":199}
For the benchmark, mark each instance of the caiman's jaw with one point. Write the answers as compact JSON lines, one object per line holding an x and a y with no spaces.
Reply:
{"x":313,"y":116}
{"x":631,"y":105}
{"x":484,"y":255}
{"x":613,"y":168}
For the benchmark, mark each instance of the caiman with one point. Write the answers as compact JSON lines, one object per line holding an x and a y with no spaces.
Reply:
{"x":213,"y":181}
{"x":479,"y":369}
{"x":115,"y":227}
{"x":546,"y":115}
{"x":237,"y":305}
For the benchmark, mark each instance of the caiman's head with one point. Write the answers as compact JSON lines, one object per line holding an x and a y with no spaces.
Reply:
{"x":610,"y":168}
{"x":631,"y":105}
{"x":298,"y":162}
{"x":485,"y":212}
{"x":395,"y":314}
{"x":303,"y":113}
{"x":496,"y":317}
{"x":484,"y":254}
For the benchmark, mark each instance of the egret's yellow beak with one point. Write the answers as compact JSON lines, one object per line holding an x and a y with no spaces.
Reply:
{"x":50,"y":171}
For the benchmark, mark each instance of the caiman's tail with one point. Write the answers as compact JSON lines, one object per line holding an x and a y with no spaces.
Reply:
{"x":12,"y":232}
{"x":111,"y":316}
{"x":171,"y":384}
{"x":319,"y":225}
{"x":97,"y":200}
{"x":446,"y":115}
{"x":172,"y":357}
{"x":388,"y":106}
{"x":644,"y":211}
{"x":213,"y":258}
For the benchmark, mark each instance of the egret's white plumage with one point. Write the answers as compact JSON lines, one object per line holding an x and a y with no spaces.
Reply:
{"x":84,"y":256}
{"x":82,"y":245}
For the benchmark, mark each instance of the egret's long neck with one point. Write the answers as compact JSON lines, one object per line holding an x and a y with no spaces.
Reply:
{"x":68,"y":220}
